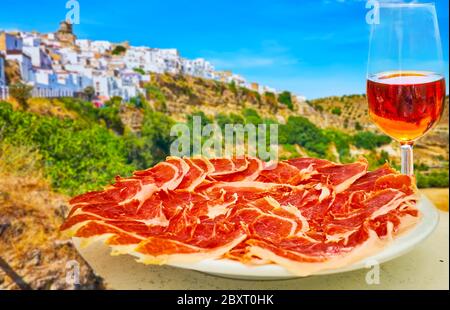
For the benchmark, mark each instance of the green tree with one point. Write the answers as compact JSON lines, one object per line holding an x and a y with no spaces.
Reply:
{"x":286,"y":99}
{"x":369,"y":140}
{"x":358,"y":126}
{"x":21,"y":93}
{"x":119,"y":50}
{"x":110,"y":114}
{"x":89,"y":92}
{"x":155,"y":130}
{"x":299,"y":130}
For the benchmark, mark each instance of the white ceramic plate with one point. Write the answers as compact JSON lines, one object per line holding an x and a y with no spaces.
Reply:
{"x":401,"y":245}
{"x":236,"y":270}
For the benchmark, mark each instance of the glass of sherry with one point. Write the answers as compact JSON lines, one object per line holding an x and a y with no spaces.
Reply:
{"x":405,"y":81}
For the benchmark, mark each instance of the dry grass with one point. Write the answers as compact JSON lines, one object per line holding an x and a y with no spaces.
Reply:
{"x":30,"y":217}
{"x":45,"y":107}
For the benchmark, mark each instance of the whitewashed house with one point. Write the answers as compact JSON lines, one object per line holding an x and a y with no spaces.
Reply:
{"x":84,"y":45}
{"x":198,"y":67}
{"x":39,"y":59}
{"x":69,"y":56}
{"x":135,"y":57}
{"x":81,"y":70}
{"x":2,"y":71}
{"x":33,"y":47}
{"x":106,"y":86}
{"x":100,"y":47}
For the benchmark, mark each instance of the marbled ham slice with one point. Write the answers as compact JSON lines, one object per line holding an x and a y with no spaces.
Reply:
{"x":282,"y":173}
{"x":225,"y":166}
{"x":194,"y":177}
{"x":340,"y":177}
{"x":304,"y":214}
{"x":247,"y":169}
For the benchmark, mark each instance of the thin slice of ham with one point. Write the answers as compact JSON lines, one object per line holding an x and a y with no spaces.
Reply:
{"x":305,"y":214}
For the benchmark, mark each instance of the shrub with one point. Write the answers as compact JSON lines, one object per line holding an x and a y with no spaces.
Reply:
{"x":139,"y":70}
{"x":156,"y":128}
{"x":336,"y":111}
{"x":110,"y":115}
{"x":439,"y":179}
{"x":286,"y":99}
{"x":224,"y":119}
{"x":299,"y":130}
{"x":119,"y":50}
{"x":358,"y":126}
{"x":369,"y":140}
{"x":153,"y":92}
{"x":251,"y":116}
{"x":342,"y":142}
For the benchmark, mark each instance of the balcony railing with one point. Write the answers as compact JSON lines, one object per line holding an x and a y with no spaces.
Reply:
{"x":40,"y":93}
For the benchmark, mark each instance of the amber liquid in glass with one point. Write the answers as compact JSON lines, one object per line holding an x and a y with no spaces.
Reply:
{"x":405,"y":105}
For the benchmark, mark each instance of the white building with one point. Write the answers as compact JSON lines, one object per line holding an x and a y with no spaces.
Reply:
{"x":84,"y":45}
{"x":45,"y":78}
{"x":100,"y":47}
{"x":69,"y":56}
{"x":2,"y":71}
{"x":198,"y":67}
{"x":49,"y":83}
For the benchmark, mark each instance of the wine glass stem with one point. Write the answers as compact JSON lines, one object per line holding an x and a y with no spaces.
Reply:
{"x":407,"y":159}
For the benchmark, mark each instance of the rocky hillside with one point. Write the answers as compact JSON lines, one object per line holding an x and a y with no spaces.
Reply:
{"x":181,"y":95}
{"x":33,"y":254}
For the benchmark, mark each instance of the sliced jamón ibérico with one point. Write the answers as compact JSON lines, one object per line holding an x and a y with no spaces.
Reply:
{"x":305,"y":214}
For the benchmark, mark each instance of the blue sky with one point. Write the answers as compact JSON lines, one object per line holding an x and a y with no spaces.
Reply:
{"x":312,"y":47}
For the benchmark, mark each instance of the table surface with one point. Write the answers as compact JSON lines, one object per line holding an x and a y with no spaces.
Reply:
{"x":425,"y":267}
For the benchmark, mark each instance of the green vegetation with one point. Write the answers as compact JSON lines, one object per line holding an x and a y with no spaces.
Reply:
{"x":369,"y":140}
{"x":251,"y":116}
{"x":286,"y":99}
{"x":358,"y":126}
{"x":336,"y":111}
{"x":433,"y":179}
{"x":77,"y":156}
{"x":119,"y":50}
{"x":110,"y":115}
{"x":232,"y":118}
{"x":342,"y":142}
{"x":299,"y":130}
{"x":89,"y":93}
{"x":139,"y":70}
{"x":154,"y":93}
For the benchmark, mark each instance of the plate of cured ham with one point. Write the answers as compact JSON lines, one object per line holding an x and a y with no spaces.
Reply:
{"x":244,"y":218}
